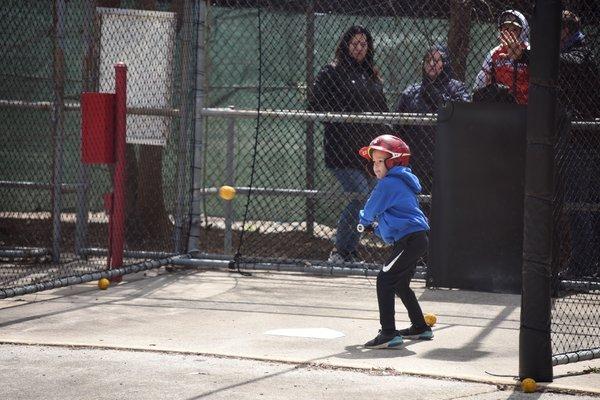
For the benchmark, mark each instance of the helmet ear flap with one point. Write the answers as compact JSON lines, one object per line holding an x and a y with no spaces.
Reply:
{"x":402,"y":160}
{"x":390,"y":162}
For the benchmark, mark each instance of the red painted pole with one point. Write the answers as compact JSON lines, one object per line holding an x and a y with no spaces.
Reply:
{"x":118,"y":210}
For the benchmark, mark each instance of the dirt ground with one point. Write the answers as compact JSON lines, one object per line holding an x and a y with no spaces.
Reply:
{"x":294,"y":245}
{"x":36,"y":233}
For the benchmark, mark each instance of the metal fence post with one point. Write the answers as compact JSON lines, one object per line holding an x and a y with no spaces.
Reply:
{"x":230,"y":180}
{"x":198,"y":131}
{"x":117,"y":234}
{"x":58,"y":124}
{"x":535,"y":346}
{"x":183,"y":148}
{"x":81,"y":223}
{"x":310,"y":125}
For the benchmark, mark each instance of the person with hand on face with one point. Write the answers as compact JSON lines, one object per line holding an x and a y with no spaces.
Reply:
{"x":401,"y":224}
{"x":349,"y":84}
{"x":508,"y":63}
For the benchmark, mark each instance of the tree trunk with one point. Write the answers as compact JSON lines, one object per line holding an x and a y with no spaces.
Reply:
{"x":109,"y":3}
{"x":458,"y":36}
{"x":152,"y":215}
{"x":131,"y":209}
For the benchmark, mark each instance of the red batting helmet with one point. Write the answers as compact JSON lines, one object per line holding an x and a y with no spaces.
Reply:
{"x":400,"y":153}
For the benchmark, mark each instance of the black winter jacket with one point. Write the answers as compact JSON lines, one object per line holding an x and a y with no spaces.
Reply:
{"x":347,"y":88}
{"x":578,"y":79}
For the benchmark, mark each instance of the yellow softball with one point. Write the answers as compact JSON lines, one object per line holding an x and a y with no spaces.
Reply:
{"x":103,"y":284}
{"x":226,"y":192}
{"x":430,"y":319}
{"x":528,"y":385}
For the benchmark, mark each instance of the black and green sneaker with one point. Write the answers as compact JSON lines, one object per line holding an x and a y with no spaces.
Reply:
{"x":384,"y":341}
{"x":419,"y":333}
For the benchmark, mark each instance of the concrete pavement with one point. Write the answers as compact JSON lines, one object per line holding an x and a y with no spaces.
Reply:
{"x":222,"y":316}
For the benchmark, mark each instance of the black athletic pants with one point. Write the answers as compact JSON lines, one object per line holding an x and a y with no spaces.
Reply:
{"x":394,"y":279}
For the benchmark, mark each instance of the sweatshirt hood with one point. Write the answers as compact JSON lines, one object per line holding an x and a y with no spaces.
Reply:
{"x":407,"y":176}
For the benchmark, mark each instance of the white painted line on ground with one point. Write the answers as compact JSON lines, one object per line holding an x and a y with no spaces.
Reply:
{"x":316,"y":333}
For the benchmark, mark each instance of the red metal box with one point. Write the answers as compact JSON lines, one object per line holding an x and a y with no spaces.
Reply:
{"x":97,"y":128}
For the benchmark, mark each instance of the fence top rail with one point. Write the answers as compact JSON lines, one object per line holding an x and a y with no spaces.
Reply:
{"x":310,"y":193}
{"x":75,"y":106}
{"x":366,"y":118}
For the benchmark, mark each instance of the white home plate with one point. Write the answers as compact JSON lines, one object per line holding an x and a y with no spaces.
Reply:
{"x":317,"y":333}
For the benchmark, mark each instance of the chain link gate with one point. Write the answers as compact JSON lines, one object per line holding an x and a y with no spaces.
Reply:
{"x":296,"y":197}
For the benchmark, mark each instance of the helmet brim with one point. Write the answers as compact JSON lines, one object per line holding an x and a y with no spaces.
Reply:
{"x":365,"y":152}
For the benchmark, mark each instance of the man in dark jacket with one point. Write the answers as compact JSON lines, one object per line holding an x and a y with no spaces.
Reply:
{"x":579,"y":149}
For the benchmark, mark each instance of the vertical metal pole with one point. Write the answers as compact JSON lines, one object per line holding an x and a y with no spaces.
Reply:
{"x":183,"y":147}
{"x":119,"y":180}
{"x":198,"y":130}
{"x":230,"y":179}
{"x":458,"y":35}
{"x":58,"y":124}
{"x":535,"y":346}
{"x":81,"y":223}
{"x":310,"y":125}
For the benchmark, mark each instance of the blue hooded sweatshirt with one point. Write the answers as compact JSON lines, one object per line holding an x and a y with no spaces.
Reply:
{"x":394,"y":205}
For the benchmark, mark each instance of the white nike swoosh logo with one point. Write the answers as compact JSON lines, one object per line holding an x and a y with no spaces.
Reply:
{"x":386,"y":268}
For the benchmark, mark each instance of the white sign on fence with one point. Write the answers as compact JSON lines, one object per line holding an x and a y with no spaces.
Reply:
{"x":144,"y":40}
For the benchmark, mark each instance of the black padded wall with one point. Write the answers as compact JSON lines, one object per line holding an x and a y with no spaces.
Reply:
{"x":477,"y":209}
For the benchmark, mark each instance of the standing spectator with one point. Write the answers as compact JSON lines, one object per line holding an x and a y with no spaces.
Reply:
{"x":508,"y":63}
{"x":350,"y":83}
{"x":578,"y":96}
{"x":437,"y":86}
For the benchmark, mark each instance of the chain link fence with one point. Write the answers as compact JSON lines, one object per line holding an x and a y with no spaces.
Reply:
{"x":327,"y":76}
{"x":53,"y":206}
{"x":575,"y":314}
{"x":294,"y":45}
{"x":309,"y":183}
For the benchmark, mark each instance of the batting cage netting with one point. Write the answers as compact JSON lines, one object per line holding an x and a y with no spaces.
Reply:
{"x":56,"y":181}
{"x":274,"y":99}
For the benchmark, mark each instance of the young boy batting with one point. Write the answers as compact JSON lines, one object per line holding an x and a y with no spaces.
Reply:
{"x":394,"y":208}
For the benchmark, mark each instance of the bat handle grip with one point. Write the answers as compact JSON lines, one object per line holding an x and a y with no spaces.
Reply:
{"x":360,"y":228}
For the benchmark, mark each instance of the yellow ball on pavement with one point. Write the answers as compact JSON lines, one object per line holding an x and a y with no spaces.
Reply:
{"x":430,"y":319}
{"x":103,"y":284}
{"x":528,"y":385}
{"x":227,"y":192}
